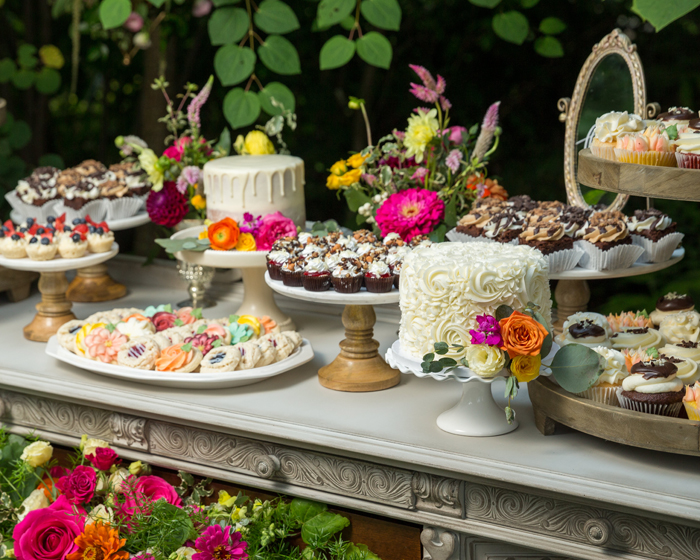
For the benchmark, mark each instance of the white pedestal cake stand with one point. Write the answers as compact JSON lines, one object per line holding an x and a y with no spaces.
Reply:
{"x":258,"y":298}
{"x":54,"y":309}
{"x":572,"y":293}
{"x":476,"y":414}
{"x":358,"y":367}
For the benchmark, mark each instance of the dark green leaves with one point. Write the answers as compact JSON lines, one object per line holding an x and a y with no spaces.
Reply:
{"x":228,"y":25}
{"x":511,"y":26}
{"x":26,"y":56}
{"x":549,"y":47}
{"x":19,"y":136}
{"x":304,"y":510}
{"x":576,"y":367}
{"x":593,"y":196}
{"x":660,"y":14}
{"x":279,"y":55}
{"x":48,"y":81}
{"x":114,"y":13}
{"x":331,"y":12}
{"x":7,"y":69}
{"x":503,"y":311}
{"x":375,"y":49}
{"x":186,"y":244}
{"x":441,"y":348}
{"x":233,"y":64}
{"x":385,"y":14}
{"x":336,"y":52}
{"x":274,"y":16}
{"x":355,"y":199}
{"x":281,"y":94}
{"x":552,"y":26}
{"x":485,"y":3}
{"x":241,"y":108}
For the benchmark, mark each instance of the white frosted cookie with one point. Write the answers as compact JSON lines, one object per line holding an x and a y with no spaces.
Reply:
{"x":282,"y":344}
{"x":67,"y":333}
{"x":250,"y":355}
{"x":221,"y":359}
{"x":294,"y":337}
{"x":164,"y":341}
{"x":135,"y":327}
{"x":139,"y":353}
{"x":105,"y":317}
{"x":124,"y":312}
{"x":268,"y":351}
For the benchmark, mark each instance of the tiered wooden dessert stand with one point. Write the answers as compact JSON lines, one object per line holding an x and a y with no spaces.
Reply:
{"x":552,"y":404}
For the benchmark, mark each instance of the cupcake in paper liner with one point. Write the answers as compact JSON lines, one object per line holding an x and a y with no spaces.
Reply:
{"x":504,"y":227}
{"x":652,"y":147}
{"x":688,"y":371}
{"x":691,"y":401}
{"x":606,"y":242}
{"x":655,"y":232}
{"x":549,"y":238}
{"x":688,"y":146}
{"x":609,"y":127}
{"x":652,"y":387}
{"x":561,"y":261}
{"x":681,"y":327}
{"x":686,"y":350}
{"x":586,"y":328}
{"x":96,"y":209}
{"x":471,"y":226}
{"x":121,"y":208}
{"x":604,"y":390}
{"x":676,"y":116}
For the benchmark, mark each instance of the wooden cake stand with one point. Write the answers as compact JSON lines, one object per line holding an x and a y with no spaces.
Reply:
{"x":358,"y":367}
{"x":55,"y":308}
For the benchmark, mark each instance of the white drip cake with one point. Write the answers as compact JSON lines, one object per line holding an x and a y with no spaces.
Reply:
{"x":445,"y":286}
{"x":259,"y":185}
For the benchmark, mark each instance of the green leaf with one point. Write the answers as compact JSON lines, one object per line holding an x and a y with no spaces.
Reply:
{"x":510,"y":384}
{"x":510,"y":414}
{"x":177,"y":245}
{"x":425,"y":366}
{"x":241,"y":108}
{"x":178,"y":322}
{"x":281,"y":94}
{"x":219,"y":3}
{"x":110,"y":327}
{"x":304,"y":510}
{"x":347,"y":23}
{"x":186,"y":347}
{"x":52,"y":160}
{"x":447,"y":362}
{"x":359,"y":552}
{"x":356,"y":198}
{"x":546,"y":346}
{"x":438,"y":234}
{"x":661,"y":14}
{"x":114,"y":13}
{"x":429,"y":357}
{"x":20,"y":135}
{"x":549,"y":47}
{"x":593,"y":196}
{"x":274,"y":16}
{"x":224,"y":143}
{"x":485,"y":3}
{"x":228,"y":25}
{"x":189,"y":245}
{"x":159,"y":3}
{"x":331,"y":225}
{"x":511,"y":26}
{"x":336,"y":52}
{"x":576,"y":367}
{"x":435,"y":367}
{"x":385,"y":14}
{"x":23,"y":79}
{"x":7,"y":69}
{"x":529,"y":3}
{"x":52,"y":56}
{"x":672,"y":131}
{"x":375,"y":49}
{"x":25,"y":56}
{"x":441,"y":348}
{"x":451,"y":213}
{"x":360,"y":219}
{"x":48,"y":81}
{"x":318,"y":530}
{"x":201,"y":329}
{"x":279,"y":55}
{"x":331,"y":12}
{"x":503,"y":311}
{"x":233,"y":64}
{"x":552,"y":26}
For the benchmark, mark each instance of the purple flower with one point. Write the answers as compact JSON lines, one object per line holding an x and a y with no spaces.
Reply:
{"x":489,"y":331}
{"x":424,"y":94}
{"x":491,"y":117}
{"x":453,"y":160}
{"x":368,"y":178}
{"x":250,"y":224}
{"x":425,"y":76}
{"x":420,"y":173}
{"x":488,"y":323}
{"x":196,"y":104}
{"x":133,"y":23}
{"x":217,"y":543}
{"x":247,"y":217}
{"x":192,"y":174}
{"x":445,"y":103}
{"x":477,"y":337}
{"x":431,"y":91}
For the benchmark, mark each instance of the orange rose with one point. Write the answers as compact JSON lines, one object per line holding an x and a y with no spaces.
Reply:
{"x":223,"y":235}
{"x":522,"y":335}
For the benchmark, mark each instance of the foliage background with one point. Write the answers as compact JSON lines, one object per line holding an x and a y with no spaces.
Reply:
{"x":451,"y":37}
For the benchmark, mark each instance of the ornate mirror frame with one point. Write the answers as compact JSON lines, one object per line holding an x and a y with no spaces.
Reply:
{"x":615,"y":43}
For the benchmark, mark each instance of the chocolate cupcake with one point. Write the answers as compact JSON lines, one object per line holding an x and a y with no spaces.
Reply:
{"x":472,"y":224}
{"x":574,"y":218}
{"x":378,"y":277}
{"x":347,"y":276}
{"x":521,"y":204}
{"x":607,"y":242}
{"x":670,"y":304}
{"x":655,"y":232}
{"x":79,"y":195}
{"x":653,"y":387}
{"x":293,"y":272}
{"x":317,"y":277}
{"x":504,"y":227}
{"x":586,"y":328}
{"x":275,"y":260}
{"x":677,"y":116}
{"x":547,"y":237}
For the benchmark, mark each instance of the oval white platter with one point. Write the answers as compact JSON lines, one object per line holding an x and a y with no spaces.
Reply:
{"x":363,"y":297}
{"x":115,"y":225}
{"x":224,"y":380}
{"x":218,"y":259}
{"x":59,"y":264}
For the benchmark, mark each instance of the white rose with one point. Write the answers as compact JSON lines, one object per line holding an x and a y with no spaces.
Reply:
{"x":117,"y":479}
{"x":36,"y":500}
{"x":37,"y":453}
{"x":184,"y":553}
{"x":485,"y":360}
{"x":100,"y":513}
{"x":91,"y":444}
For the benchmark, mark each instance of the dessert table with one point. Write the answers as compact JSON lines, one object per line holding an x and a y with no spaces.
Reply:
{"x":517,"y":496}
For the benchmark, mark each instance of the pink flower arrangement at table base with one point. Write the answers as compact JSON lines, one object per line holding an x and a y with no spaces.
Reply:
{"x":410,"y":212}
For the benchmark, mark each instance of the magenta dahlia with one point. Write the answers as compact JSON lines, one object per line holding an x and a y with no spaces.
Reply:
{"x":167,"y":207}
{"x":410,"y":212}
{"x":217,"y":543}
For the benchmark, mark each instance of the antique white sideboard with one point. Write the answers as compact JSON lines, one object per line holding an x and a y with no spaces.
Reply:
{"x":514,"y":497}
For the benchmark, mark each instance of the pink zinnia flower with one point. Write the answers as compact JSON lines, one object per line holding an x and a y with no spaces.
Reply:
{"x":272,"y":227}
{"x":410,"y":212}
{"x":217,"y":543}
{"x":453,"y":160}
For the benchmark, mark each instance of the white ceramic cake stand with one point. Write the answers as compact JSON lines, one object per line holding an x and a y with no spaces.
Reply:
{"x":258,"y":298}
{"x":55,"y":308}
{"x":476,"y":414}
{"x":358,"y":367}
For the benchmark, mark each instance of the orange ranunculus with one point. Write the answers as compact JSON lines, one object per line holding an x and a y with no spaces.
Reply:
{"x":223,"y":235}
{"x":521,"y":335}
{"x":99,"y":542}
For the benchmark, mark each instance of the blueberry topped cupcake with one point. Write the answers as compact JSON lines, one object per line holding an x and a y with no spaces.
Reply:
{"x":670,"y":304}
{"x":653,"y":387}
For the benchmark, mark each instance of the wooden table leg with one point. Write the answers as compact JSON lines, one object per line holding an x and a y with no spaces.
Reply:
{"x":54,"y":309}
{"x":93,"y":284}
{"x":571,"y":296}
{"x":358,"y":367}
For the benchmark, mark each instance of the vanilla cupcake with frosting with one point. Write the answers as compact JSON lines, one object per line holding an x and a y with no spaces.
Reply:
{"x":681,"y":327}
{"x":586,"y":328}
{"x":678,"y":116}
{"x":686,"y":350}
{"x":688,"y":149}
{"x":636,"y":337}
{"x":653,"y":387}
{"x":670,"y":304}
{"x":687,"y":372}
{"x":604,"y":390}
{"x":609,"y":127}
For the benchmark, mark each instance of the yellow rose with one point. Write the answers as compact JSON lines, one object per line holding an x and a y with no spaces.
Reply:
{"x":339,"y":167}
{"x":356,"y":160}
{"x":117,"y":479}
{"x":526,"y":368}
{"x":91,"y":444}
{"x":37,"y":453}
{"x":246,"y":242}
{"x":101,"y":513}
{"x":258,"y":144}
{"x":351,"y":177}
{"x":199,"y":202}
{"x":333,"y":182}
{"x":36,"y":500}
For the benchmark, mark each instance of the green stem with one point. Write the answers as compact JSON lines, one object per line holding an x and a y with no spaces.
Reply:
{"x":367,"y":127}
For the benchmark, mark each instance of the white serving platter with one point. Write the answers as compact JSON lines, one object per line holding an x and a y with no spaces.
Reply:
{"x":59,"y":264}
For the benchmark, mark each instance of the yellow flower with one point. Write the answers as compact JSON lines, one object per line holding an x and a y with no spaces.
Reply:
{"x":203,"y":234}
{"x":238,"y":514}
{"x":252,"y":322}
{"x":356,"y":160}
{"x":422,"y":128}
{"x":37,"y":453}
{"x":246,"y":242}
{"x":239,"y":143}
{"x":225,"y":499}
{"x":199,"y":202}
{"x":526,"y":368}
{"x":258,"y":144}
{"x":339,"y":167}
{"x":148,"y":160}
{"x":333,"y":182}
{"x":351,"y":177}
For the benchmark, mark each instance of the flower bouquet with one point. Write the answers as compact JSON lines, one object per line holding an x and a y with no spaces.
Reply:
{"x":417,"y":181}
{"x":103,"y":509}
{"x":513,"y":344}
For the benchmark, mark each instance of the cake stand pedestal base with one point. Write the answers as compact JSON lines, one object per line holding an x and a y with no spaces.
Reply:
{"x":571,"y":296}
{"x":476,"y":414}
{"x":93,"y":284}
{"x":359,"y":367}
{"x":259,"y":299}
{"x":54,"y":309}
